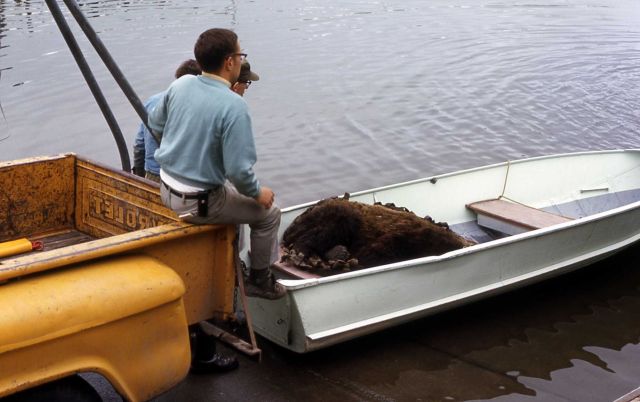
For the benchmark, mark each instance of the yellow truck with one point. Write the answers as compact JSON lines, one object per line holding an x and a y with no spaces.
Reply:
{"x":96,"y":275}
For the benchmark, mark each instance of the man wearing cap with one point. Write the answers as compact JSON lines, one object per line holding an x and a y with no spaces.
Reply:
{"x":207,"y":155}
{"x":245,"y":79}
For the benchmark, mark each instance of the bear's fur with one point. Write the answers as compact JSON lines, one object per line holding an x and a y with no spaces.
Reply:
{"x":372,"y":234}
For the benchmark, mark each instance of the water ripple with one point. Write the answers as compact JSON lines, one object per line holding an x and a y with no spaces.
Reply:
{"x":352,"y":94}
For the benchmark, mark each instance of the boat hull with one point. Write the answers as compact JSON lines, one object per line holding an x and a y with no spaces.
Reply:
{"x":324,"y":311}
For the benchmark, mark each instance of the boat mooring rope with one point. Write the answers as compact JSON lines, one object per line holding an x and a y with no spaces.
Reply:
{"x":506,"y":176}
{"x":504,"y":188}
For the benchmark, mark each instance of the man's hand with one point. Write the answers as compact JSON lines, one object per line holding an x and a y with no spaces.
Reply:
{"x":266,"y":197}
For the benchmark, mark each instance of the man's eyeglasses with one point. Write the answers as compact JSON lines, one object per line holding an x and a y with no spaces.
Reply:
{"x":247,"y":83}
{"x":242,"y":55}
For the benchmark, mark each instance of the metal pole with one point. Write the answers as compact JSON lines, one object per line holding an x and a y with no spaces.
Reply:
{"x":91,"y":81}
{"x":110,"y":63}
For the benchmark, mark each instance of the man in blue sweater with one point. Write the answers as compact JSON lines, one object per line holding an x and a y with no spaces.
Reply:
{"x":145,"y":145}
{"x":207,"y":155}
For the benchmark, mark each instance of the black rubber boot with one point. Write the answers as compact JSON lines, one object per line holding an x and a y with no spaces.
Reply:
{"x":263,"y":284}
{"x":204,"y":358}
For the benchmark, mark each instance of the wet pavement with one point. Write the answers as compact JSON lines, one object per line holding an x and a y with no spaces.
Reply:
{"x":573,"y":338}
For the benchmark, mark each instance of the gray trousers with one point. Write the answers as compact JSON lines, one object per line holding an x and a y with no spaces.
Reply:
{"x":227,"y":206}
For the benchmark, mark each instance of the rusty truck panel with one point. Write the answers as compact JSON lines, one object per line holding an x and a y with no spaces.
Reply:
{"x":112,"y":260}
{"x":81,"y":211}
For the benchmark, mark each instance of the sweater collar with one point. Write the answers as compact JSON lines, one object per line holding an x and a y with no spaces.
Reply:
{"x":216,"y":77}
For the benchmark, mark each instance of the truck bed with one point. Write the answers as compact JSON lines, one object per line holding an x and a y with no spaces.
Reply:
{"x":56,"y":239}
{"x":83,"y":211}
{"x":63,"y":238}
{"x":66,"y":200}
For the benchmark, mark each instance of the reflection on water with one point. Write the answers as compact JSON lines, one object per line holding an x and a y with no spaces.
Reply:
{"x":361,"y":93}
{"x":577,"y":336}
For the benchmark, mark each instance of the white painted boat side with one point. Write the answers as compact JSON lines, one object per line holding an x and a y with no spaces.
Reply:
{"x":327,"y":337}
{"x":321,"y":312}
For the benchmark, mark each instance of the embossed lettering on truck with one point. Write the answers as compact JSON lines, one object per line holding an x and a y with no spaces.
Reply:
{"x":120,"y":213}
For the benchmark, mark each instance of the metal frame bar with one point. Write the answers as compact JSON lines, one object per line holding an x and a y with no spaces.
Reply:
{"x":111,"y":65}
{"x":91,"y":82}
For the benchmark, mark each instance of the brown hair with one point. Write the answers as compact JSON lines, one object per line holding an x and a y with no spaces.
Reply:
{"x":213,"y":46}
{"x":188,"y":67}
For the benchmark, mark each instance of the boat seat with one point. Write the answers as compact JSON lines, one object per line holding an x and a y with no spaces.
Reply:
{"x":512,"y":218}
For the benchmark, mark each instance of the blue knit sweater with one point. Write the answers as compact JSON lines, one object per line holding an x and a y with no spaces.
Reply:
{"x":206,"y":135}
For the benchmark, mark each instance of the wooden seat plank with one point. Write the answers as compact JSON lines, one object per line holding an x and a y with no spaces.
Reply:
{"x":519,"y":215}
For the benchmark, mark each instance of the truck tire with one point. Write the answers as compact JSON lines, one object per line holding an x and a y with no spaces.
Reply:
{"x":68,"y":389}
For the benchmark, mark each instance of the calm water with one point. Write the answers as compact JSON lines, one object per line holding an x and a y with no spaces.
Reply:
{"x":357,"y":94}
